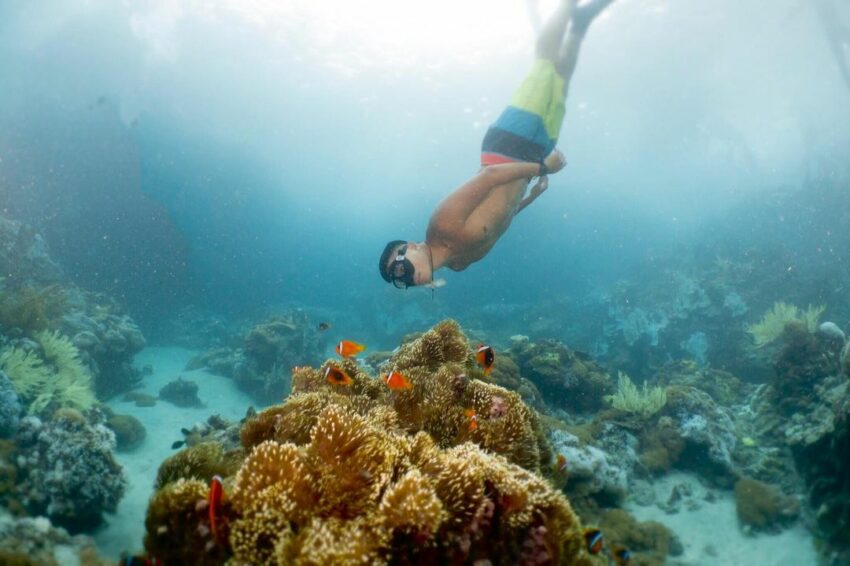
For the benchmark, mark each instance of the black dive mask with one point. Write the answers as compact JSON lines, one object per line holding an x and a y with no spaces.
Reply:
{"x":401,"y":270}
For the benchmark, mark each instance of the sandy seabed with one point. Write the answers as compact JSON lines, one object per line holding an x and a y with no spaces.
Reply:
{"x":125,"y":528}
{"x":711,"y":535}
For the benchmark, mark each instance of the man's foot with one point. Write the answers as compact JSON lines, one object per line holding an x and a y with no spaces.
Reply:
{"x":583,"y":15}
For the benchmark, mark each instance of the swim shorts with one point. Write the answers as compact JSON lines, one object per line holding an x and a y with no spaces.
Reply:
{"x":528,"y":129}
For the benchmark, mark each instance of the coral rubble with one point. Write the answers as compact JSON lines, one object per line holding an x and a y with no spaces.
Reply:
{"x":358,"y":473}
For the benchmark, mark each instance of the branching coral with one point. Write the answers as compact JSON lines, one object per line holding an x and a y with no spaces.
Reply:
{"x":773,"y":322}
{"x":361,"y":474}
{"x":630,"y":399}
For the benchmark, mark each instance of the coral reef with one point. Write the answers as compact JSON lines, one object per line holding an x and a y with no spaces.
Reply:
{"x":568,"y":380}
{"x":66,"y":469}
{"x":10,"y":406}
{"x":761,"y":506}
{"x":107,"y":339}
{"x":201,"y":462}
{"x":181,"y":392}
{"x":36,"y":542}
{"x":358,"y":473}
{"x":261,"y":367}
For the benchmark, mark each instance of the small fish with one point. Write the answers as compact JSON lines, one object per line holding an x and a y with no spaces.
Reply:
{"x":324,"y":326}
{"x":395,"y":380}
{"x":561,"y":463}
{"x":185,"y":431}
{"x":593,"y":538}
{"x":347,"y":348}
{"x":214,"y":505}
{"x":473,"y":419}
{"x":622,"y":556}
{"x":485,"y":356}
{"x":336,"y":376}
{"x":178,"y":444}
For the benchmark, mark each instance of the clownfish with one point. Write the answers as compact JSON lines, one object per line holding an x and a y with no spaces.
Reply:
{"x":214,"y":505}
{"x":561,"y":463}
{"x":347,"y":348}
{"x":336,"y":376}
{"x":593,"y":538}
{"x":485,"y":356}
{"x":395,"y":380}
{"x":473,"y":419}
{"x":622,"y":556}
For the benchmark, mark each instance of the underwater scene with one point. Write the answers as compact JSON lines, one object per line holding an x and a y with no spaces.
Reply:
{"x":485,"y":282}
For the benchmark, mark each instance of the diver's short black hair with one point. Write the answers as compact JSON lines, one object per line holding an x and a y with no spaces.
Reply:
{"x":382,"y":264}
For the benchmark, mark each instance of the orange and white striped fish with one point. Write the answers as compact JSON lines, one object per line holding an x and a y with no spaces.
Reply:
{"x":347,"y":348}
{"x":336,"y":376}
{"x":396,"y":380}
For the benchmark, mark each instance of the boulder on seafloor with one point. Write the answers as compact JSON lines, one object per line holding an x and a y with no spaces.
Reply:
{"x":129,"y":431}
{"x":181,"y":392}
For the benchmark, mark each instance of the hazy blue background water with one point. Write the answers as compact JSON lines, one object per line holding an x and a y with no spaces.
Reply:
{"x":243,"y":154}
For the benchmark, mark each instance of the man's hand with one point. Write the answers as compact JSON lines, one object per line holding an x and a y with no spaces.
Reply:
{"x":538,"y":188}
{"x":555,"y":161}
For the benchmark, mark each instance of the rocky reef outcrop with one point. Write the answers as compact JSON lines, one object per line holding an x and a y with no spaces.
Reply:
{"x":65,"y":469}
{"x":263,"y":364}
{"x":568,"y":380}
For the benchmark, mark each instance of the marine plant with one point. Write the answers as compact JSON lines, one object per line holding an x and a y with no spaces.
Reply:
{"x":628,"y":398}
{"x":32,"y":309}
{"x":359,"y":473}
{"x":772,"y":324}
{"x":54,"y":379}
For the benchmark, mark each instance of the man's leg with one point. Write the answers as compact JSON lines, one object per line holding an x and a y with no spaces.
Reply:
{"x":581,"y":18}
{"x":552,"y":35}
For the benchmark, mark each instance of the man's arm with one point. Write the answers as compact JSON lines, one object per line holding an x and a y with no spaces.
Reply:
{"x":536,"y":191}
{"x":456,"y":208}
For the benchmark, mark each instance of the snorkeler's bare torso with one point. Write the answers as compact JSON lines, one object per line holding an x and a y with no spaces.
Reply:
{"x":469,"y":242}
